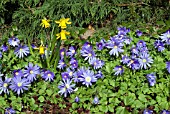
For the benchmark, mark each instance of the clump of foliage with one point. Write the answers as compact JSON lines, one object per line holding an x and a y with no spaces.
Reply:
{"x":97,"y":12}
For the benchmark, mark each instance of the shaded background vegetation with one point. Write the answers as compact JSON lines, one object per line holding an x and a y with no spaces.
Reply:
{"x":26,"y":15}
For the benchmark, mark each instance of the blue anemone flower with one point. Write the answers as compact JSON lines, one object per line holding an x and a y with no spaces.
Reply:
{"x":71,"y":51}
{"x":4,"y":85}
{"x":19,"y":84}
{"x":116,"y":48}
{"x":73,"y":63}
{"x":125,"y":59}
{"x":10,"y":111}
{"x":147,"y":111}
{"x":145,"y":60}
{"x":87,"y":46}
{"x":65,"y":75}
{"x":133,"y":64}
{"x":62,"y":53}
{"x":151,"y":79}
{"x":99,"y":74}
{"x":96,"y":100}
{"x":100,"y":45}
{"x":88,"y":54}
{"x":118,"y":70}
{"x":139,"y":33}
{"x":127,"y":40}
{"x":61,"y":64}
{"x":96,"y":63}
{"x":18,"y":72}
{"x":78,"y":74}
{"x":168,"y":66}
{"x":165,"y":112}
{"x":165,"y":36}
{"x":13,"y":41}
{"x":77,"y":99}
{"x":47,"y":75}
{"x":87,"y":77}
{"x":4,"y":48}
{"x":31,"y":72}
{"x":159,"y":45}
{"x":70,"y":72}
{"x":143,"y":50}
{"x":66,"y":87}
{"x":141,"y":44}
{"x":21,"y":51}
{"x":134,"y":50}
{"x":123,"y":30}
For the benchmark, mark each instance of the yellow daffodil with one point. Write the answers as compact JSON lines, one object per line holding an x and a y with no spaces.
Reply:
{"x":45,"y":23}
{"x":62,"y":22}
{"x":41,"y":49}
{"x":62,"y":34}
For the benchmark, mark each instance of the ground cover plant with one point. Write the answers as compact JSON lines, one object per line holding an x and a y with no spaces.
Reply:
{"x":124,"y":72}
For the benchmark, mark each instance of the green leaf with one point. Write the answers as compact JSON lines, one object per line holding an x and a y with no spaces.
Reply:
{"x":32,"y":102}
{"x":159,"y":99}
{"x":112,"y":83}
{"x":142,"y":98}
{"x":49,"y":92}
{"x":111,"y":107}
{"x":121,"y":110}
{"x":103,"y":108}
{"x":41,"y":99}
{"x":139,"y":104}
{"x":160,"y":23}
{"x":74,"y":105}
{"x":41,"y":91}
{"x":164,"y":105}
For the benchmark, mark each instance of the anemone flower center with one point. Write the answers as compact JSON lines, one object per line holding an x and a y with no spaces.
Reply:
{"x":64,"y":89}
{"x":62,"y":63}
{"x":5,"y":85}
{"x":65,"y":76}
{"x":131,"y":61}
{"x":16,"y":73}
{"x":90,"y":54}
{"x":168,"y":35}
{"x":95,"y":63}
{"x":115,"y":47}
{"x":67,"y":85}
{"x":88,"y":79}
{"x":144,"y":60}
{"x":49,"y":75}
{"x":19,"y":84}
{"x":73,"y":51}
{"x":100,"y":45}
{"x":20,"y":49}
{"x":88,"y":45}
{"x":62,"y":53}
{"x":120,"y":68}
{"x":31,"y":72}
{"x":71,"y":73}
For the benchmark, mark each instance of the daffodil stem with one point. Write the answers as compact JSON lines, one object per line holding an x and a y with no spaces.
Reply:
{"x":57,"y":54}
{"x":47,"y":59}
{"x":30,"y":47}
{"x":52,"y":43}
